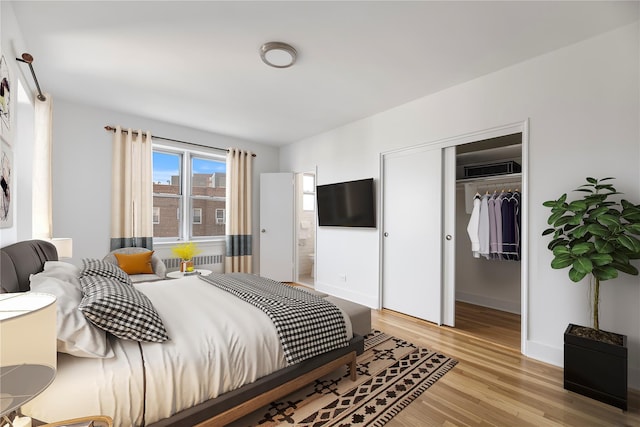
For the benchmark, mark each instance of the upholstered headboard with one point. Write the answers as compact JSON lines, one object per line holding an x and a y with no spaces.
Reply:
{"x":20,"y":260}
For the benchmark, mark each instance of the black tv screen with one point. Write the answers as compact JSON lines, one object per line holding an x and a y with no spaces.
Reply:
{"x":347,"y":204}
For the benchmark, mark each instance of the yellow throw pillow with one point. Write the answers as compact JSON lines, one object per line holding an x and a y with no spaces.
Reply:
{"x":135,"y":263}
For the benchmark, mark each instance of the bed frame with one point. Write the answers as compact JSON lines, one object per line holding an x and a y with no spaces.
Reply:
{"x":19,"y":260}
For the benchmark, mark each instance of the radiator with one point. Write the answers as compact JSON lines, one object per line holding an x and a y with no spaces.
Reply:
{"x":199,"y":260}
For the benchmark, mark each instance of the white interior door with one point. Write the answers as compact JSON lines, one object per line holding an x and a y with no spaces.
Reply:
{"x":412,"y":233}
{"x":277,"y":226}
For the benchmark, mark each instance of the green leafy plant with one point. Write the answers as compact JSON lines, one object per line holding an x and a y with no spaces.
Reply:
{"x":594,"y":236}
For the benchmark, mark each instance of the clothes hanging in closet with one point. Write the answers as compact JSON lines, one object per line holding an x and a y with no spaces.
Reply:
{"x":494,"y":227}
{"x":472,"y":227}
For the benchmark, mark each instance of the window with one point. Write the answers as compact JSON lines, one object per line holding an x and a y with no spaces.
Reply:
{"x":156,"y":215}
{"x":187,"y":185}
{"x":197,"y":215}
{"x":308,"y":192}
{"x":220,"y":216}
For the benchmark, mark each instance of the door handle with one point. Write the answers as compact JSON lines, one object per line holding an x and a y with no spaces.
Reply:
{"x":263,"y":231}
{"x":448,"y":237}
{"x":386,"y":234}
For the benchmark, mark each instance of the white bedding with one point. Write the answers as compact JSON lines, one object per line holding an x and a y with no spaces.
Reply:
{"x":218,"y":343}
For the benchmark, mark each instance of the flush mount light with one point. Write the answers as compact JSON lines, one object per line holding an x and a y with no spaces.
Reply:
{"x":278,"y":54}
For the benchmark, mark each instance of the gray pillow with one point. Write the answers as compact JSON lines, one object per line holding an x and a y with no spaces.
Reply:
{"x":96,"y":267}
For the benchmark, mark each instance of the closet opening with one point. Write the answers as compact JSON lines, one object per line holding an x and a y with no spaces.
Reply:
{"x":487,"y":229}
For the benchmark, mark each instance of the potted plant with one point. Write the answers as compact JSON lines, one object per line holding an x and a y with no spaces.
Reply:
{"x":186,"y":251}
{"x":594,"y":236}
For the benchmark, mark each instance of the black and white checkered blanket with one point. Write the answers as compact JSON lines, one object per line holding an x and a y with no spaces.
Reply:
{"x":307,"y":325}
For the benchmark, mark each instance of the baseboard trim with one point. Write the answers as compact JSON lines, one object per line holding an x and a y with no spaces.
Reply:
{"x":347,"y":294}
{"x":497,"y":304}
{"x":545,"y":353}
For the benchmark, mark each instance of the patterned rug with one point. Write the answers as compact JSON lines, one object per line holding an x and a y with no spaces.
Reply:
{"x":391,"y":374}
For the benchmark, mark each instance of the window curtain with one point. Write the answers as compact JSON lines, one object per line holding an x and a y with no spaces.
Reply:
{"x":238,"y":226}
{"x":41,"y":205}
{"x":131,"y":192}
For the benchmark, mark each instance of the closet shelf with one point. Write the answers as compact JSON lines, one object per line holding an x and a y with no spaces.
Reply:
{"x":492,"y":178}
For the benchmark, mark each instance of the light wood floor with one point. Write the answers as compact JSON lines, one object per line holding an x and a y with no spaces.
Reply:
{"x":494,"y":385}
{"x":499,"y":327}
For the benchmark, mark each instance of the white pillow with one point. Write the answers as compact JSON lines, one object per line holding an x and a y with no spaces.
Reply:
{"x":63,"y":271}
{"x":76,"y":335}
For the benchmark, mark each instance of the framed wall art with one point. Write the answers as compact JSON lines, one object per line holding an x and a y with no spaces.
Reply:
{"x":6,"y":185}
{"x":7,"y":95}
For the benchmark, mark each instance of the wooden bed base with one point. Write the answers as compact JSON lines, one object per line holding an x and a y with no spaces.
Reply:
{"x":237,"y":403}
{"x":281,"y":391}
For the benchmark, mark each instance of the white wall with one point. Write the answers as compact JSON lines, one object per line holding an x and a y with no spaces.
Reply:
{"x":82,"y":171}
{"x":583,"y":105}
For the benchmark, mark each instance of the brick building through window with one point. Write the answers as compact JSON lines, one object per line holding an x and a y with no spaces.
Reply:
{"x":206,"y":205}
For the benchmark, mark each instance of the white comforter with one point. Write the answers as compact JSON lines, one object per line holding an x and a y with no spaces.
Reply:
{"x":218,"y":343}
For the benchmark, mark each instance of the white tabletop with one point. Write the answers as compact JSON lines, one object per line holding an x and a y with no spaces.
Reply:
{"x":179,"y":274}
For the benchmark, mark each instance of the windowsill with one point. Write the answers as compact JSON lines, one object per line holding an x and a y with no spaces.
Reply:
{"x":206,"y":243}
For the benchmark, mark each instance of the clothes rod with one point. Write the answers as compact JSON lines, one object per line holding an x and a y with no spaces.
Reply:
{"x":112,"y":129}
{"x":28,"y":59}
{"x":501,"y":186}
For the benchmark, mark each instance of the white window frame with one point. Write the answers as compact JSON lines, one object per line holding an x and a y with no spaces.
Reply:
{"x":309,"y":193}
{"x":185,"y":197}
{"x":155,"y":216}
{"x":199,"y":216}
{"x":222,"y":220}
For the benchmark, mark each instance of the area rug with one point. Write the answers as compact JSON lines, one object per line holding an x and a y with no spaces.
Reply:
{"x":391,"y":374}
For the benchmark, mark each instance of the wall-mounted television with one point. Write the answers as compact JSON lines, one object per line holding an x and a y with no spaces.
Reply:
{"x":347,"y":204}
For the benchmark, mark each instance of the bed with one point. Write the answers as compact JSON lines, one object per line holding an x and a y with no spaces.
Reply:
{"x":190,"y":379}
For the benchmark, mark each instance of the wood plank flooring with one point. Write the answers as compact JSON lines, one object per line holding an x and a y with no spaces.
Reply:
{"x":496,"y":326}
{"x":494,"y":385}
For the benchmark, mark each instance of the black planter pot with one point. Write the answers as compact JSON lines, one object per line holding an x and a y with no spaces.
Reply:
{"x":596,"y":369}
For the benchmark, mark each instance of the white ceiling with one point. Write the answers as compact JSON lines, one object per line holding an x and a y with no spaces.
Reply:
{"x":197,"y":64}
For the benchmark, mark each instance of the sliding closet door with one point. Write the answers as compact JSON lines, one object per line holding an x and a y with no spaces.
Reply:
{"x":412,"y":233}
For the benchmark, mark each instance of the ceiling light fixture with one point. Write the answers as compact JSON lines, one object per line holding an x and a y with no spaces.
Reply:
{"x":278,"y":54}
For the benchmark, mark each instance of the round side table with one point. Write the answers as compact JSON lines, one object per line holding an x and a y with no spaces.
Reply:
{"x":180,"y":274}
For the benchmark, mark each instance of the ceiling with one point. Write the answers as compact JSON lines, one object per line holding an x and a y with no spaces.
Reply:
{"x":197,"y":64}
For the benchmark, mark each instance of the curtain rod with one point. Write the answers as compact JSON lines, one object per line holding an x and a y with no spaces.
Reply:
{"x":28,"y":59}
{"x":112,"y":129}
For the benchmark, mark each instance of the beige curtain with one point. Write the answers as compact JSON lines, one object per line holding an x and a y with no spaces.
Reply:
{"x":131,"y":192}
{"x":41,"y":205}
{"x":238,"y":225}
